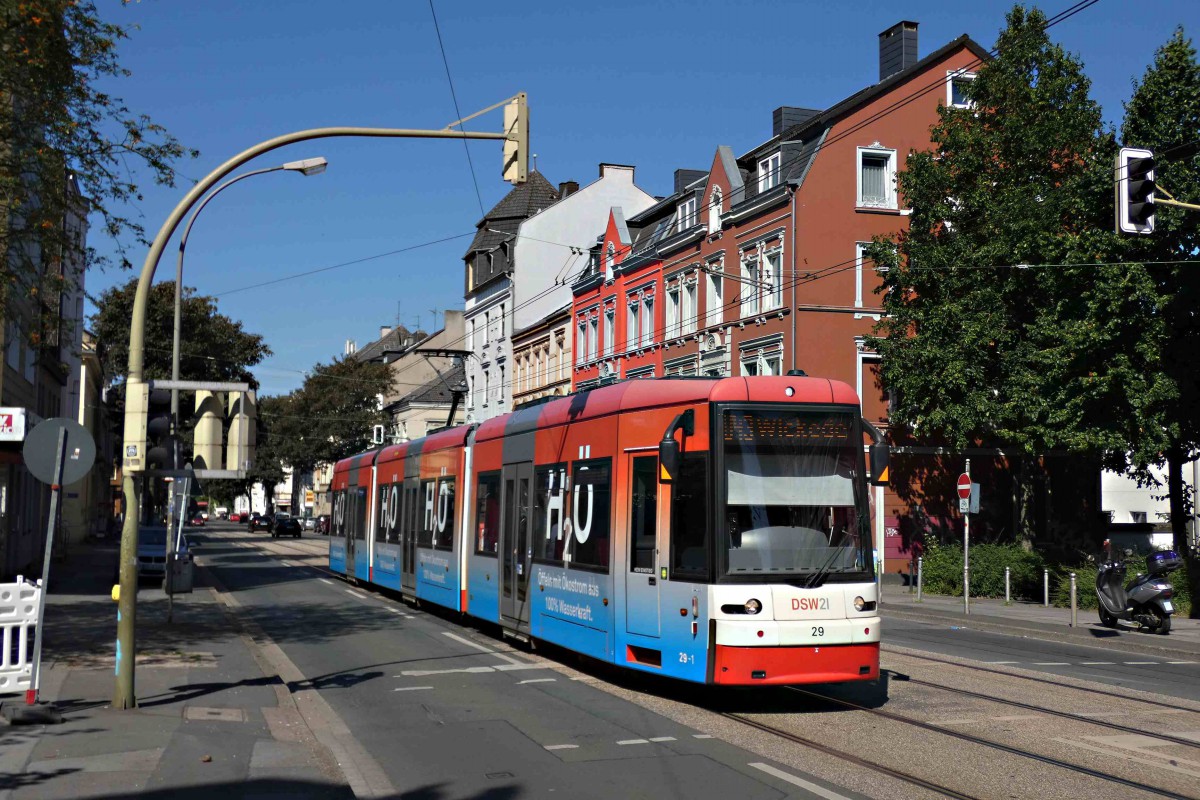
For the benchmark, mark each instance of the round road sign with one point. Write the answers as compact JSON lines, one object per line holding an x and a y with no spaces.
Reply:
{"x":964,"y":486}
{"x":40,"y":454}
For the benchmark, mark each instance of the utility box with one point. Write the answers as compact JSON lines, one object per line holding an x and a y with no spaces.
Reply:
{"x":184,"y":570}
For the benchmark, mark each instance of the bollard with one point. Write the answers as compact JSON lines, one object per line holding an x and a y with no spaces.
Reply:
{"x":920,"y":577}
{"x":1007,"y":592}
{"x":1074,"y":605}
{"x":1046,"y":588}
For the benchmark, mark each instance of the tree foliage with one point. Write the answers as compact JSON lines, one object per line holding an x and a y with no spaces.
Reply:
{"x":55,"y":120}
{"x":1008,"y":320}
{"x":212,"y":346}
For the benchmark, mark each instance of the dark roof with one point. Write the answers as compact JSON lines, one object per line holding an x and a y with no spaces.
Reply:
{"x":519,"y":204}
{"x":436,"y":391}
{"x":392,"y":342}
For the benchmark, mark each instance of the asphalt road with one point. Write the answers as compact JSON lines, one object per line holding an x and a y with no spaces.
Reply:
{"x":1152,"y":673}
{"x":449,"y":712}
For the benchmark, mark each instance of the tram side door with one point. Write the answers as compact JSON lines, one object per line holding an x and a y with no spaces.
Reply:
{"x":408,"y":535}
{"x":349,"y":515}
{"x":516,"y":482}
{"x":642,"y":560}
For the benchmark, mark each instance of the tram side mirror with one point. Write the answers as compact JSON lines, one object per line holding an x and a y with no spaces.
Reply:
{"x":880,"y":455}
{"x":668,"y":459}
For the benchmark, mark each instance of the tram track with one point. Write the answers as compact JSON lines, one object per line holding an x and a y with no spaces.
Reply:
{"x":1000,"y":746}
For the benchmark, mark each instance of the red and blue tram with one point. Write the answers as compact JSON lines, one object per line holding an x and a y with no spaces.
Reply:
{"x":716,"y":531}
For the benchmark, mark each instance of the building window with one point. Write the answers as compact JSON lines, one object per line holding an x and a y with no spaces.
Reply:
{"x":593,"y":338}
{"x":631,"y":325}
{"x":647,"y":321}
{"x":673,"y":312}
{"x":772,"y":280}
{"x":876,"y":177}
{"x":956,"y":88}
{"x":610,"y":315}
{"x":750,"y":288}
{"x":713,"y":301}
{"x":610,"y":256}
{"x":487,"y":325}
{"x":859,"y":251}
{"x":768,"y":172}
{"x":471,"y":336}
{"x":500,"y":386}
{"x":580,"y":342}
{"x":714,"y":210}
{"x":685,"y":216}
{"x":487,"y":387}
{"x":501,"y":336}
{"x":689,"y":305}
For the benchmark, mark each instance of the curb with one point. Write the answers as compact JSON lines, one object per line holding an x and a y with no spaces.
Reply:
{"x":1034,"y":630}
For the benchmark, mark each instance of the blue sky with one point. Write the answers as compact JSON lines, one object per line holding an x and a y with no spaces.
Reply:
{"x":658,"y":85}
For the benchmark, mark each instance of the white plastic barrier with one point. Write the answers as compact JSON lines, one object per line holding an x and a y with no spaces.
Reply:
{"x":18,"y":619}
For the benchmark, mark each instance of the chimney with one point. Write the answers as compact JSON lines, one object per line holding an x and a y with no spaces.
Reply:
{"x":785,"y":117}
{"x":567,"y":188}
{"x":351,"y":347}
{"x":897,"y":49}
{"x":685,"y":177}
{"x":384,"y":330}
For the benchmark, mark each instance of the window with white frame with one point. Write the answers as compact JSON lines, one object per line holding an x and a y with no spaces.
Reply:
{"x":581,"y":342}
{"x":685,"y":216}
{"x":714,"y":210}
{"x":593,"y":337}
{"x":861,"y":265}
{"x":750,"y":286}
{"x":772,"y":280}
{"x":647,"y":321}
{"x":631,"y":324}
{"x":672,"y":328}
{"x":500,"y":385}
{"x":876,"y":177}
{"x":713,"y":297}
{"x":501,"y":321}
{"x":610,"y":319}
{"x":487,"y":325}
{"x":487,"y":387}
{"x":768,"y":172}
{"x":957,"y":81}
{"x":610,"y":256}
{"x":762,"y":364}
{"x":688,"y":311}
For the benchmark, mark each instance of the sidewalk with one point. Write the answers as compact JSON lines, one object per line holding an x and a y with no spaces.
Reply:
{"x":210,"y":721}
{"x":1033,"y":619}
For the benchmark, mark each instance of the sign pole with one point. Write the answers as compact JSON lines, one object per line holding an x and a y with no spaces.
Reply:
{"x":967,"y":550}
{"x":168,"y":584}
{"x":31,"y":694}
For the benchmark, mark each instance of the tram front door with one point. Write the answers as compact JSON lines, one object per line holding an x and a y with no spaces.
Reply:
{"x":516,"y":491}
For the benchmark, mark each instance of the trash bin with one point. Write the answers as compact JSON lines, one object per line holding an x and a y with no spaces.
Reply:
{"x":182,"y":569}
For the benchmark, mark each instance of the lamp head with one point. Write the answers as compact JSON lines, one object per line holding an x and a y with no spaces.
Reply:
{"x":308,"y":166}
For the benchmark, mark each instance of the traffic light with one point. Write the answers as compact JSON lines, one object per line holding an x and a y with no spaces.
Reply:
{"x":1134,"y":177}
{"x":161,"y":447}
{"x":516,"y":146}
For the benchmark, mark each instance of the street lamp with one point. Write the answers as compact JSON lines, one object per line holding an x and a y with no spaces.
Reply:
{"x":306,"y":166}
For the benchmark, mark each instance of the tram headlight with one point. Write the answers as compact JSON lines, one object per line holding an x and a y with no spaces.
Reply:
{"x":753,"y":606}
{"x":859,"y":603}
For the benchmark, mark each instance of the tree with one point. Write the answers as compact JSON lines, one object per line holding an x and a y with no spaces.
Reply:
{"x":212,"y":346}
{"x":1009,"y":319}
{"x":55,"y":121}
{"x":1163,"y":113}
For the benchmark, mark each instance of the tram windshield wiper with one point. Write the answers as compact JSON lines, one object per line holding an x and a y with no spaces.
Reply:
{"x":819,"y":577}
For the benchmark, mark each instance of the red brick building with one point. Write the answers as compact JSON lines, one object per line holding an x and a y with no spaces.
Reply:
{"x":756,"y":266}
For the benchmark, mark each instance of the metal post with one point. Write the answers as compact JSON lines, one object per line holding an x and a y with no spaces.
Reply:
{"x":1074,"y":605}
{"x":920,"y":577}
{"x":123,"y":695}
{"x":168,"y":584}
{"x":31,"y":694}
{"x":1046,"y":588}
{"x":1007,"y":593}
{"x":967,"y":553}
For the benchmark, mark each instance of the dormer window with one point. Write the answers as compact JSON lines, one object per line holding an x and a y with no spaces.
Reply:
{"x":685,"y":215}
{"x":610,"y":255}
{"x":714,"y":210}
{"x":957,"y":81}
{"x":768,"y":172}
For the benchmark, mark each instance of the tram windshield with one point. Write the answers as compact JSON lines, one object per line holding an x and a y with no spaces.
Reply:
{"x":795,"y":497}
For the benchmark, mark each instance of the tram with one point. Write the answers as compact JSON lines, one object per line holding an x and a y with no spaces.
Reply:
{"x":710,"y":530}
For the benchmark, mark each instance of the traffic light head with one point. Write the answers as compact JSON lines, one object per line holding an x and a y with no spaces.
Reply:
{"x":161,"y":449}
{"x":1134,"y":180}
{"x":516,"y":146}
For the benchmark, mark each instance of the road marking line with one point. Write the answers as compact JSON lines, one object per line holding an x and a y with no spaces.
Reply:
{"x":325,"y":580}
{"x":1095,"y":663}
{"x":634,"y":741}
{"x":411,"y":688}
{"x":394,"y":610}
{"x":537,"y":680}
{"x":702,"y":736}
{"x":562,"y":747}
{"x":819,"y":791}
{"x":662,"y":738}
{"x":1016,"y":717}
{"x":421,"y":673}
{"x":467,"y":642}
{"x":509,"y":658}
{"x":1141,"y":663}
{"x":518,"y":667}
{"x":1181,"y":662}
{"x":356,"y":594}
{"x":1004,"y":662}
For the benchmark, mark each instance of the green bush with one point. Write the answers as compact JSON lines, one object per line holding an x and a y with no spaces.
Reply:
{"x":1085,"y":583}
{"x":942,"y":570}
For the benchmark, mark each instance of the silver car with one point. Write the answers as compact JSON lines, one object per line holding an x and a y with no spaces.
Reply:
{"x":152,"y":551}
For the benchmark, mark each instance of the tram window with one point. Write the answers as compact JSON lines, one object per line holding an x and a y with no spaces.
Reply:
{"x":689,"y":520}
{"x":388,"y":514}
{"x":338,"y":523}
{"x":443,"y":511}
{"x":487,"y":514}
{"x":428,"y":513}
{"x":549,"y":512}
{"x":590,"y":513}
{"x":360,"y":513}
{"x":643,"y":514}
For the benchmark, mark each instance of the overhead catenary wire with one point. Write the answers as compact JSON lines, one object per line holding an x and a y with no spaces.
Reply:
{"x":457,"y":114}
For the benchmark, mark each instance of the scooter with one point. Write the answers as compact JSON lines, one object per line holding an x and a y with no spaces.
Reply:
{"x":1147,"y":598}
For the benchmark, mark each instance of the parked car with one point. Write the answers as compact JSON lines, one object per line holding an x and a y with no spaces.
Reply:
{"x":310,"y":524}
{"x":260,"y":522}
{"x":152,"y":551}
{"x":323,"y":524}
{"x":197,"y":521}
{"x":285,"y":525}
{"x":235,"y":517}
